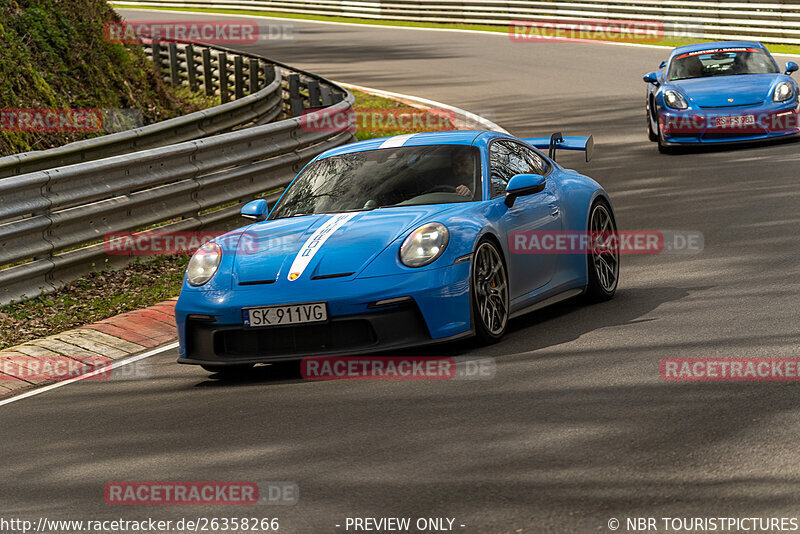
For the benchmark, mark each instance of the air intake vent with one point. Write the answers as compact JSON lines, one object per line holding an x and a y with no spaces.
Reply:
{"x":256,"y":282}
{"x":326,"y":276}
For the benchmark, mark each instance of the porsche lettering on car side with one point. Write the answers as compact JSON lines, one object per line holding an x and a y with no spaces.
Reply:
{"x":392,"y":243}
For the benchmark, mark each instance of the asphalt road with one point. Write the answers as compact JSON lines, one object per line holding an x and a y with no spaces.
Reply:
{"x":575,"y":428}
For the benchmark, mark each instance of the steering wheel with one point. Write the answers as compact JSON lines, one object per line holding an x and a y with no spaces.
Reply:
{"x":441,"y":189}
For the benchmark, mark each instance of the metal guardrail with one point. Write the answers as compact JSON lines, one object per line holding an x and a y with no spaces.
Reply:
{"x":768,"y":21}
{"x":258,"y":101}
{"x":53,"y":222}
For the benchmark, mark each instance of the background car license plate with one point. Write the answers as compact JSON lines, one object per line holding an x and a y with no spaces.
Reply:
{"x":736,"y":120}
{"x":312,"y":312}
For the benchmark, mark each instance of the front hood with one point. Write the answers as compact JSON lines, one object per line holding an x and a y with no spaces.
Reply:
{"x":728,"y":91}
{"x":267,"y":251}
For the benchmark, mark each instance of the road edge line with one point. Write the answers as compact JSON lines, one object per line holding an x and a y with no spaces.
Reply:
{"x":466,"y":115}
{"x":114,"y":365}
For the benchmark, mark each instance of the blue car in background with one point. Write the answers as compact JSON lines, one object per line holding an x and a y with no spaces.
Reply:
{"x":395,"y":242}
{"x":723,"y":92}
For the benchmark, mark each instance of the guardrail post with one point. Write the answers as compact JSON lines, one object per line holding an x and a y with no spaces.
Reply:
{"x":208,"y":80}
{"x":313,"y":94}
{"x":173,"y":64}
{"x":269,"y":74}
{"x":238,"y":76}
{"x":325,"y":96}
{"x":157,"y":56}
{"x":295,"y":100}
{"x":253,"y":67}
{"x":191,"y":68}
{"x":222,"y":59}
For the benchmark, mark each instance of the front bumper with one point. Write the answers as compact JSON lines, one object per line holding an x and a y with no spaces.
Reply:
{"x":438,"y":310}
{"x":399,"y":328}
{"x":698,"y":127}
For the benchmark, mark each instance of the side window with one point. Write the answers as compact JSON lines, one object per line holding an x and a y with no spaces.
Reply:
{"x":499,"y":168}
{"x":536,"y":165}
{"x":507,"y":158}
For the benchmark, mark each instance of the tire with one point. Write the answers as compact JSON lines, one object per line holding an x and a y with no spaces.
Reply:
{"x":489,"y":289}
{"x":662,"y":148}
{"x":651,"y":135}
{"x":602,"y":263}
{"x":229,"y":371}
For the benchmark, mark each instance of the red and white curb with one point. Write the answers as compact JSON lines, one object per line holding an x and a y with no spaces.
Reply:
{"x":112,"y":340}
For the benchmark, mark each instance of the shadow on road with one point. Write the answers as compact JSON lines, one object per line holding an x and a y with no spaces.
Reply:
{"x":544,"y":328}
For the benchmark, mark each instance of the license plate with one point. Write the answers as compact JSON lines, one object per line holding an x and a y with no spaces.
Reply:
{"x":311,"y":312}
{"x":735,"y":121}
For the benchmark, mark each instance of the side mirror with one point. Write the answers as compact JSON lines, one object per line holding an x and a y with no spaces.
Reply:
{"x":662,"y":64}
{"x":791,"y":66}
{"x":255,"y":210}
{"x":523,"y":184}
{"x":651,"y":78}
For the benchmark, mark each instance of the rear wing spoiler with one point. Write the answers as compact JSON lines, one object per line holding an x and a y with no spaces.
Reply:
{"x":556,"y":141}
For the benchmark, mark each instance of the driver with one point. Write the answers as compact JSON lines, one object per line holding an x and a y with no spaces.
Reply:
{"x":463,"y":166}
{"x":693,"y":67}
{"x":741,"y":63}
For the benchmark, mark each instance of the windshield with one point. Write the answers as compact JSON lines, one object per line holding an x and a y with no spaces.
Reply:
{"x":721,"y":62}
{"x":403,"y":176}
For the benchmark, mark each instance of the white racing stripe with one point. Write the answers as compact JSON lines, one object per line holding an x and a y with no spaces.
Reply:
{"x":396,"y":141}
{"x":105,"y":369}
{"x":315,"y":242}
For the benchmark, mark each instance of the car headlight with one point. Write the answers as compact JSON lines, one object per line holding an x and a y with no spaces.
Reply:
{"x":783,"y":91}
{"x":204,"y":264}
{"x":424,"y":245}
{"x":675,"y":100}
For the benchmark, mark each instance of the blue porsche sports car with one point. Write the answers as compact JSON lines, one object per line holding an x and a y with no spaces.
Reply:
{"x":395,"y":242}
{"x":723,"y":92}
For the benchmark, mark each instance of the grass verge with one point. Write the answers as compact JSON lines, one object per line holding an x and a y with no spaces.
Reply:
{"x":377,"y":116}
{"x":106,"y":293}
{"x":55,"y":62}
{"x":97,"y":296}
{"x":669,"y":42}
